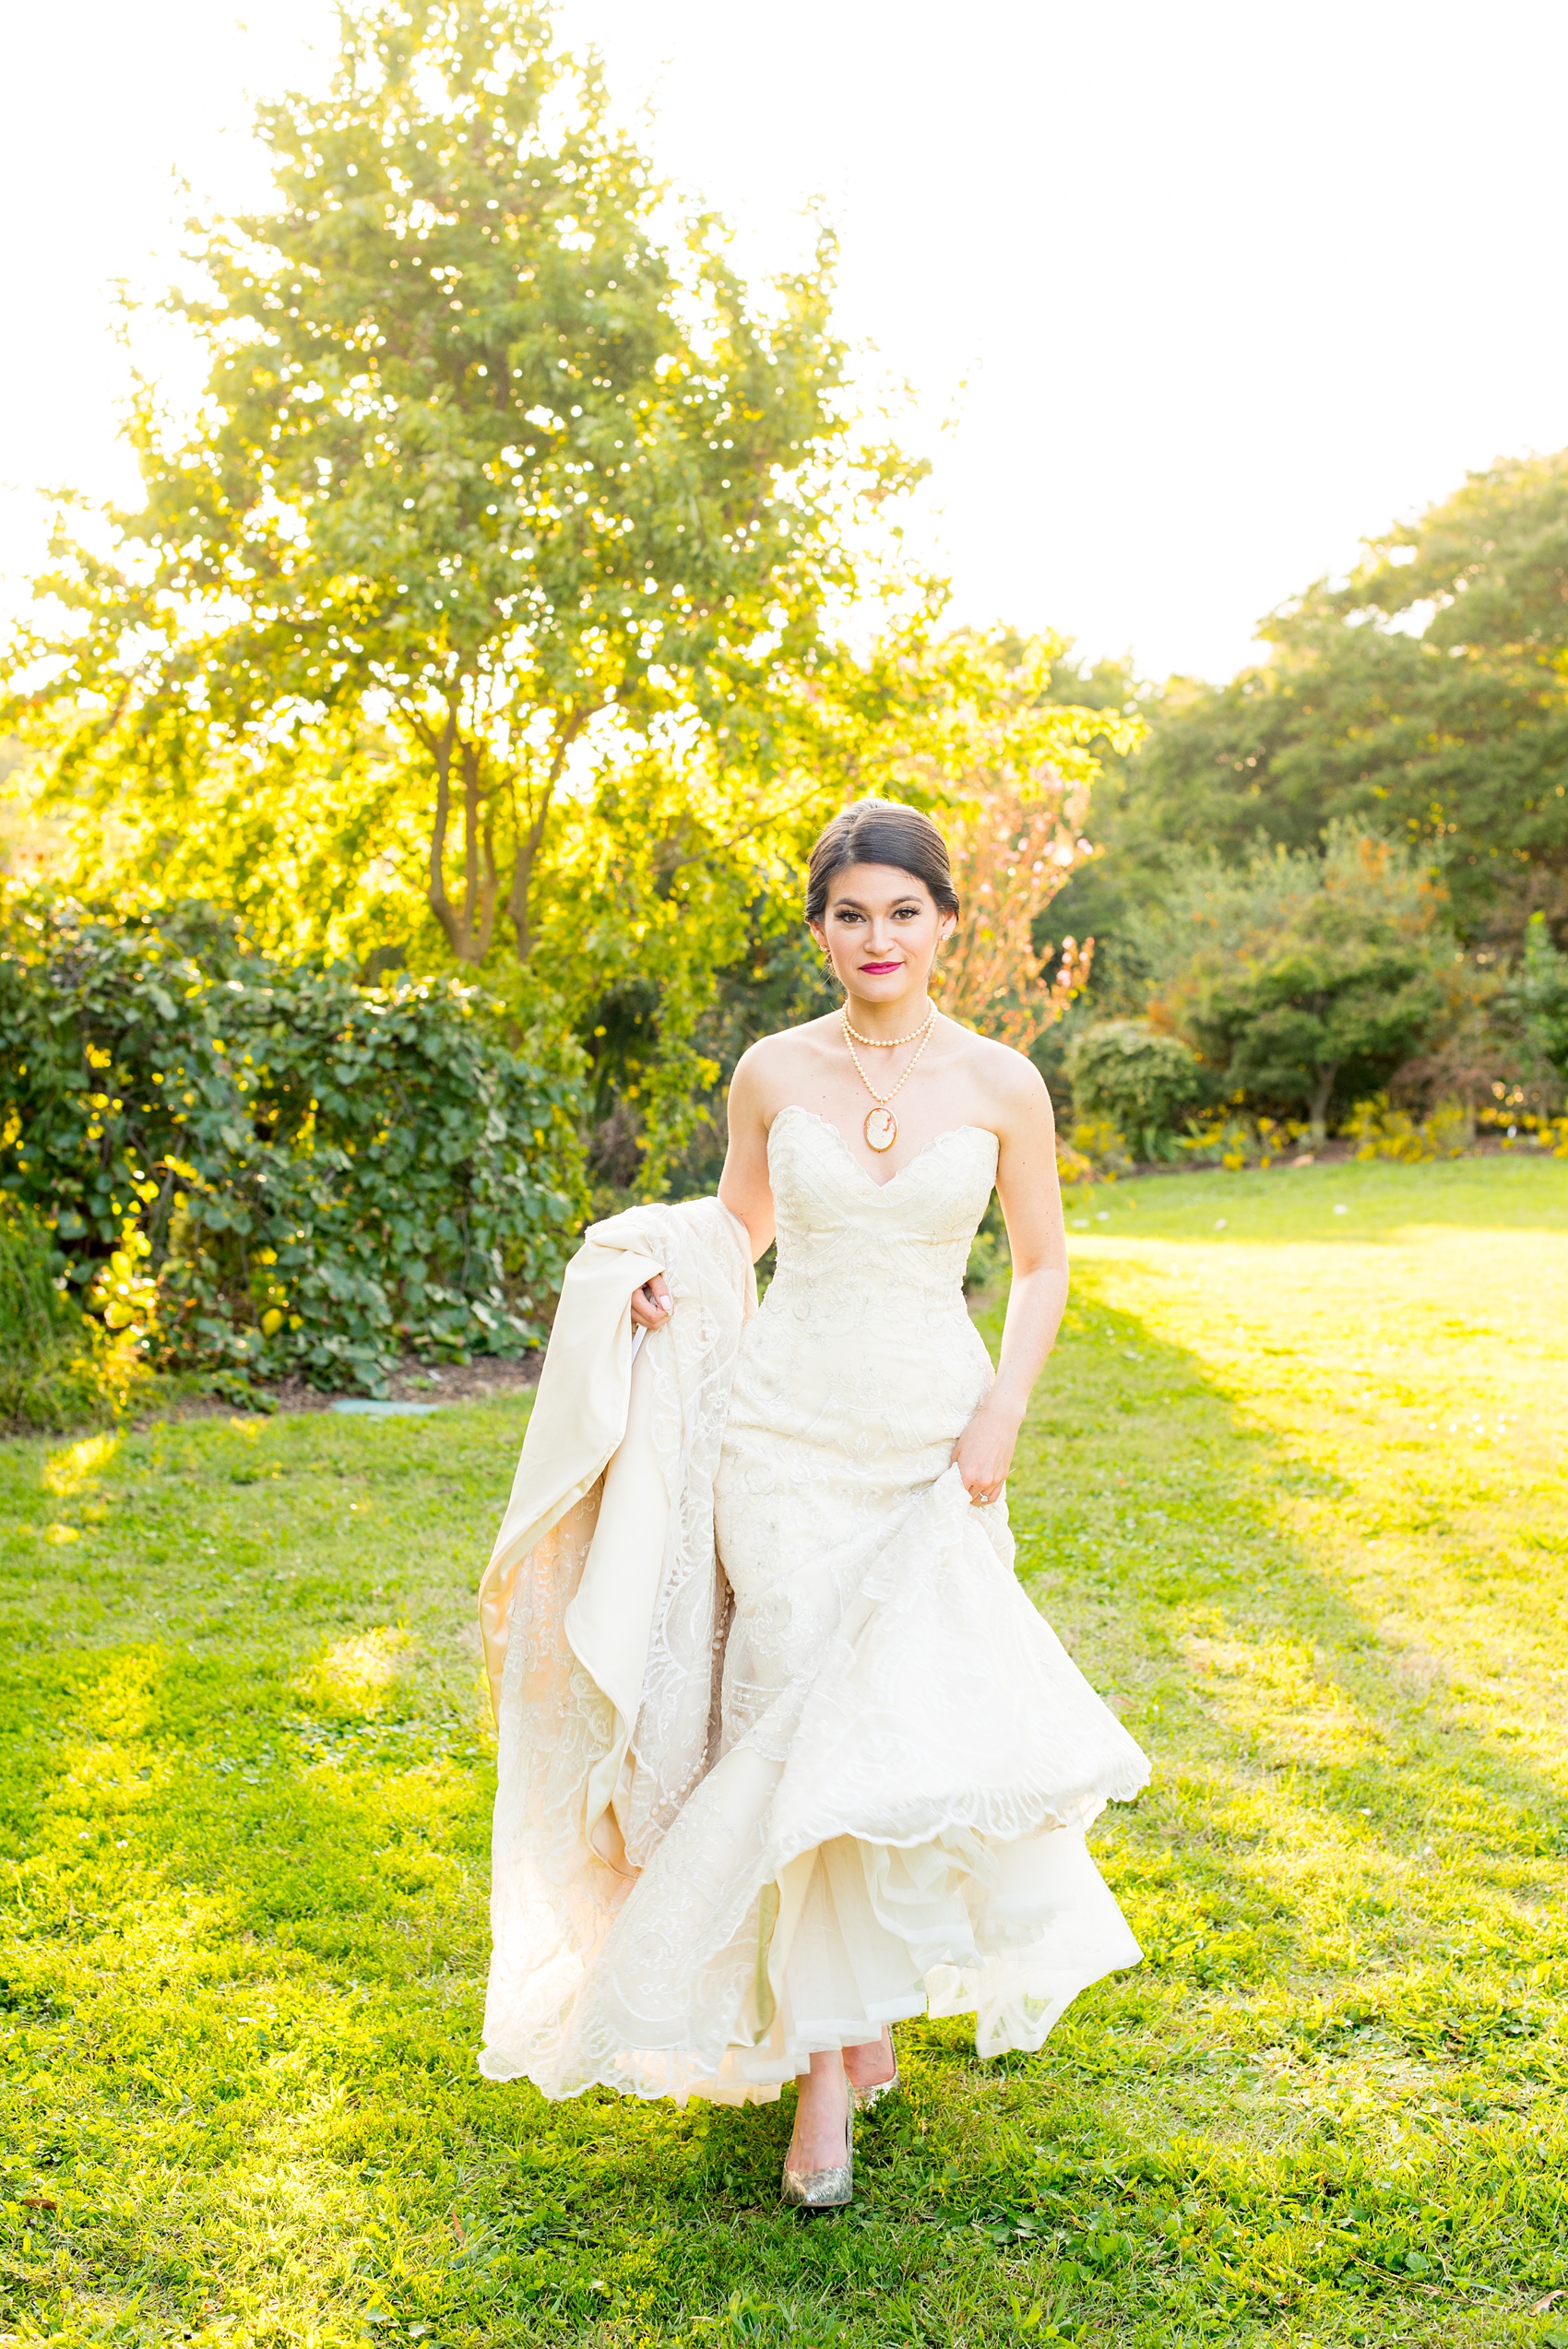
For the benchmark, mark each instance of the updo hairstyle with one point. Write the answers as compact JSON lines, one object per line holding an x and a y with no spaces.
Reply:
{"x":881,"y":832}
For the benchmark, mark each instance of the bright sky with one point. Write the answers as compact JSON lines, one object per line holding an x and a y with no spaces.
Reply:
{"x":1211,"y":292}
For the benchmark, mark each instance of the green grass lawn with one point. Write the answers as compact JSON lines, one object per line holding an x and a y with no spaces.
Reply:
{"x":1294,"y":1491}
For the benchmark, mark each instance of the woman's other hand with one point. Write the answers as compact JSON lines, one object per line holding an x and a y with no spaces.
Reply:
{"x":983,"y":1454}
{"x":651,"y":1304}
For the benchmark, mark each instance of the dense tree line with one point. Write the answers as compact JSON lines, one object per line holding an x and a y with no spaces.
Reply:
{"x":481,"y":628}
{"x":1376,"y":812}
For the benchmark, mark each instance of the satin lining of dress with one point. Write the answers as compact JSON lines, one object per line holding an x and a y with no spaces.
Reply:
{"x":817,"y":1118}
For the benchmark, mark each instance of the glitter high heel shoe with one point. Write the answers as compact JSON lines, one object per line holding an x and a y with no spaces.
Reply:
{"x":824,"y":2189}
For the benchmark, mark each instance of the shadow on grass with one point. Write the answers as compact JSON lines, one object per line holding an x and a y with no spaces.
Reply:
{"x":245,"y":1939}
{"x":1304,"y":1761}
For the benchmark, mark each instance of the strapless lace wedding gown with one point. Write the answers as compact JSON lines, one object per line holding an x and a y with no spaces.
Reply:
{"x":905,"y":1759}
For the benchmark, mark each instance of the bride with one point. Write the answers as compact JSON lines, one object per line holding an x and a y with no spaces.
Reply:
{"x":786,"y":1753}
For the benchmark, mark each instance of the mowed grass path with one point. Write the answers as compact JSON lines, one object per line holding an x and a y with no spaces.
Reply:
{"x":1294,"y":1489}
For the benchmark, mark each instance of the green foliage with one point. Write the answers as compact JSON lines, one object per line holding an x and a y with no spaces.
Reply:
{"x":1302,"y":979}
{"x":1492,"y":561}
{"x":669,"y":920}
{"x":36,"y":1315}
{"x":1094,"y":901}
{"x":245,"y":1779}
{"x":52,"y":1370}
{"x":1142,"y":1081}
{"x":271,"y":1168}
{"x":1517,"y":1129}
{"x":1427,"y":699}
{"x":1543,"y":996}
{"x":485,"y":475}
{"x":1380,"y":1132}
{"x":1234,"y":1139}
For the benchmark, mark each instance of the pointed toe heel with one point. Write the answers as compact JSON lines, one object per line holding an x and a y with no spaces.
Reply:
{"x":823,"y":2189}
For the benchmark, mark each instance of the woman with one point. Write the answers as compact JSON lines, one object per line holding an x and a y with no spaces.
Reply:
{"x":885,"y":1814}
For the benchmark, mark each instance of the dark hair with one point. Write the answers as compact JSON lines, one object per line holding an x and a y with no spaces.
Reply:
{"x":881,"y":832}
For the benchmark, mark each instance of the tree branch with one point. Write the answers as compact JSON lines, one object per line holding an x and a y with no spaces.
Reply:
{"x":470,"y":845}
{"x":435,"y":893}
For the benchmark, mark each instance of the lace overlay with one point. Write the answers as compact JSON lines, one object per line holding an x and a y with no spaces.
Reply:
{"x":863,"y":1764}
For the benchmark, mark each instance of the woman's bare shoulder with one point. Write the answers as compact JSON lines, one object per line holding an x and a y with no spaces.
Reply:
{"x":1009,"y":1077}
{"x":995,"y":1064}
{"x":786,"y":1052}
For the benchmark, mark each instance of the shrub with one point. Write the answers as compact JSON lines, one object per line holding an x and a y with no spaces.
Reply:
{"x":51,"y":1357}
{"x":1238,"y":1140}
{"x":1383,"y":1132}
{"x":1097,"y":1149}
{"x":1073,"y":1166}
{"x":1128,"y":1073}
{"x":272,"y":1169}
{"x":1522,"y":1129}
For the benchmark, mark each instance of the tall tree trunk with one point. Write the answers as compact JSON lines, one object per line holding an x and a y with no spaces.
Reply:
{"x":1322,"y":1091}
{"x":440,"y":747}
{"x":531,"y":835}
{"x":468,"y":929}
{"x":481,"y":884}
{"x":530,"y":838}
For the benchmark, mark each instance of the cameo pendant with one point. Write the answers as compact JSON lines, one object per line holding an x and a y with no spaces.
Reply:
{"x":881,"y":1128}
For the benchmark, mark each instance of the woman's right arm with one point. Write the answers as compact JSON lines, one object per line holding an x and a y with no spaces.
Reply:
{"x":743,"y":1186}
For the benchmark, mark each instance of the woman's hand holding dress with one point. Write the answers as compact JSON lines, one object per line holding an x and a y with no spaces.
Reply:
{"x":983,"y":1454}
{"x":651,"y":1304}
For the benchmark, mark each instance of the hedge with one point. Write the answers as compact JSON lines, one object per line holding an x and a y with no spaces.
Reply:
{"x":272,"y":1169}
{"x":52,"y":1360}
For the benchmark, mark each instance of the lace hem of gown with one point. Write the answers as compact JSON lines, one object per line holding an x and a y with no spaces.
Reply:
{"x":874,"y":1844}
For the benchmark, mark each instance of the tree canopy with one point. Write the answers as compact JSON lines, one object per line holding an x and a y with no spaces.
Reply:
{"x":496,"y":450}
{"x":1427,"y":699}
{"x":1303,"y":980}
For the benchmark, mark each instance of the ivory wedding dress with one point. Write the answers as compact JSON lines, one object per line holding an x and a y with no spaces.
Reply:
{"x":883,"y":1811}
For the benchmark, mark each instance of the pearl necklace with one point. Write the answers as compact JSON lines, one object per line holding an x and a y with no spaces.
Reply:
{"x":885,"y":1043}
{"x":881,"y":1126}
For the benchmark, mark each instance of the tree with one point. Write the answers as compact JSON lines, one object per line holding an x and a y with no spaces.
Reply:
{"x":1092,"y":901}
{"x":1427,"y":699}
{"x":1491,"y":561}
{"x":1009,"y":860}
{"x":482,"y":469}
{"x":1542,"y":995}
{"x":1302,"y":979}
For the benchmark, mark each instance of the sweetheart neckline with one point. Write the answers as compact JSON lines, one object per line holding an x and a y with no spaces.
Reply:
{"x":866,"y":1176}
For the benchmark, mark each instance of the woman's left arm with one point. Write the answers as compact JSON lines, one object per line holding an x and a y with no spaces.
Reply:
{"x":1031,"y":1207}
